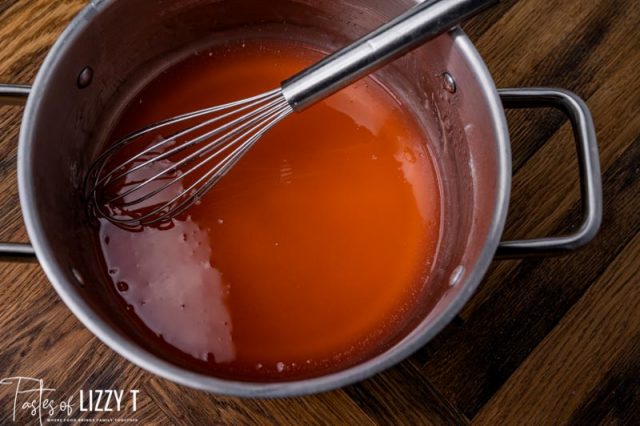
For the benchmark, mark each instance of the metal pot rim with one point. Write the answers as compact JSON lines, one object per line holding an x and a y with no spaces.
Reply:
{"x":182,"y":376}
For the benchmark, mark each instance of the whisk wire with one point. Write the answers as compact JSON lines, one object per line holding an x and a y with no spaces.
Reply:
{"x":173,"y":207}
{"x":225,"y":166}
{"x":267,"y":115}
{"x":248,"y":119}
{"x":193,"y":156}
{"x":243,"y":105}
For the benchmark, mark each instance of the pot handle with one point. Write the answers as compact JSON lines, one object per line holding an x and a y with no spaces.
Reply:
{"x":590,"y":180}
{"x":13,"y":94}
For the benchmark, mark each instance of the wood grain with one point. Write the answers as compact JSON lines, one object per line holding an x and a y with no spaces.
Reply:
{"x":543,"y":341}
{"x":583,"y":342}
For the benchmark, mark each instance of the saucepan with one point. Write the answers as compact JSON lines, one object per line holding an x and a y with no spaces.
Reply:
{"x":113,"y":47}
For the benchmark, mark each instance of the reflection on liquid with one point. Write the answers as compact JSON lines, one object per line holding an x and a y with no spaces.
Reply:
{"x":169,"y":295}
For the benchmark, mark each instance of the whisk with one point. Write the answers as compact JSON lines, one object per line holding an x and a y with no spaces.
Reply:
{"x":222,"y":134}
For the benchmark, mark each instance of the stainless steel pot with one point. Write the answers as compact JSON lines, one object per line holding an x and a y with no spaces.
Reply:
{"x":113,"y":47}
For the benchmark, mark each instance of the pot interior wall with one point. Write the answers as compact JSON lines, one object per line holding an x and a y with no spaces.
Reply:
{"x":128,"y":42}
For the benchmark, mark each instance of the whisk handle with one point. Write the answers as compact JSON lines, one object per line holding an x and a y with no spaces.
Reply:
{"x":385,"y":44}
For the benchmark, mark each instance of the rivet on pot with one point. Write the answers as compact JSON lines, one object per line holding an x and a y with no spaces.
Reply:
{"x":85,"y":77}
{"x":449,"y":82}
{"x":456,"y":276}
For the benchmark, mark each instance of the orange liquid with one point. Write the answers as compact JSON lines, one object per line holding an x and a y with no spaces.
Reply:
{"x":309,"y":255}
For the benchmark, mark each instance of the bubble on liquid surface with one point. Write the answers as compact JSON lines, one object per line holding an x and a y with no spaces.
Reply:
{"x":409,"y":155}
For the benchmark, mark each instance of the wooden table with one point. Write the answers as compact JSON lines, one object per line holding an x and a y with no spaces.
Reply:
{"x":543,"y":341}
